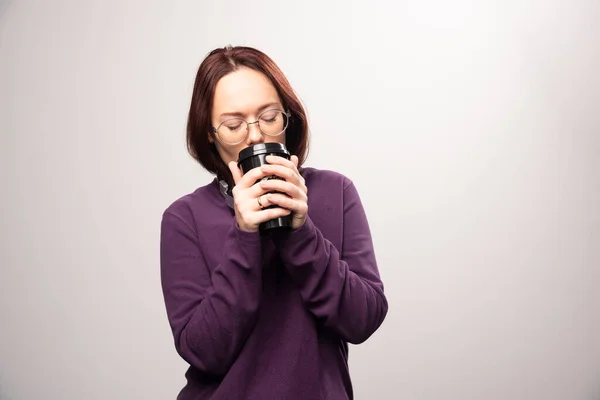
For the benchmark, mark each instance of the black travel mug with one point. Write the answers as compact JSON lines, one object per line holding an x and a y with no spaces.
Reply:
{"x":255,"y":156}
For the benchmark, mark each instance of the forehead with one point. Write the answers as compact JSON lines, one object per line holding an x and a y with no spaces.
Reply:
{"x":243,"y":90}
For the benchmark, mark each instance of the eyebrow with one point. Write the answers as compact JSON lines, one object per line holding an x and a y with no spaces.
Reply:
{"x":239,"y":114}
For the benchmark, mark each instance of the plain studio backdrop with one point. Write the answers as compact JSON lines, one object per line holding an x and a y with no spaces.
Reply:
{"x":471,"y":129}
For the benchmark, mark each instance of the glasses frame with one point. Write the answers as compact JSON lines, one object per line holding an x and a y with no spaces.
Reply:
{"x":287,"y":121}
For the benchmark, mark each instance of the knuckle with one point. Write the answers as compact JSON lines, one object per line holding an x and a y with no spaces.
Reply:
{"x":245,"y":219}
{"x":259,"y":172}
{"x":237,"y":202}
{"x":279,"y":211}
{"x":254,"y":174}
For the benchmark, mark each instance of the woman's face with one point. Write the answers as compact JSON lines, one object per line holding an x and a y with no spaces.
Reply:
{"x":245,"y":94}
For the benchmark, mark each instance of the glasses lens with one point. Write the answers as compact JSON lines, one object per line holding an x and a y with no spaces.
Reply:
{"x":273,"y":122}
{"x":232,"y":131}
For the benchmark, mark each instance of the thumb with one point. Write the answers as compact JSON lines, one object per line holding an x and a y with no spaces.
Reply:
{"x":235,"y":171}
{"x":294,"y":159}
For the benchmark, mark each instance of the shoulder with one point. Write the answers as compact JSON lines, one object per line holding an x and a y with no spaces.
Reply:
{"x":185,"y":207}
{"x":326,"y":179}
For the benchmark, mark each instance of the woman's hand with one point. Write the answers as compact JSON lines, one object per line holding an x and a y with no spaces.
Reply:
{"x":292,"y":192}
{"x":248,"y":196}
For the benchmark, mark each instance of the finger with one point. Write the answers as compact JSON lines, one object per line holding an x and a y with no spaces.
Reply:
{"x":250,"y":178}
{"x":284,"y":201}
{"x":277,"y":185}
{"x":255,"y":190}
{"x":235,"y":171}
{"x":287,"y":173}
{"x":277,"y":160}
{"x":271,"y":213}
{"x":262,"y":202}
{"x":291,"y":165}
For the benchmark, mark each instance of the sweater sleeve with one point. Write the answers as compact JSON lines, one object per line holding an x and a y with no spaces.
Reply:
{"x":342,"y":287}
{"x":211,"y":314}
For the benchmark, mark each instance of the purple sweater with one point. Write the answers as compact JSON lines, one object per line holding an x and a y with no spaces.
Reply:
{"x":270,"y":318}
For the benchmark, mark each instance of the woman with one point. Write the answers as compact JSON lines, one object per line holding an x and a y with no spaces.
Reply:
{"x":256,"y":316}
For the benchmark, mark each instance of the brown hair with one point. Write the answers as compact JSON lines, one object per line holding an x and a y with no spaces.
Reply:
{"x":216,"y":65}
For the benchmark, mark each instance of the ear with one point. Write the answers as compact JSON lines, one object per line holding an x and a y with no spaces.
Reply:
{"x":211,"y":136}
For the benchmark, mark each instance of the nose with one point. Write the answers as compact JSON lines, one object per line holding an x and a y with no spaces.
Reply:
{"x":254,"y":134}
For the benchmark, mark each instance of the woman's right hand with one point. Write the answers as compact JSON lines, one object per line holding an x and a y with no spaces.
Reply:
{"x":246,"y":194}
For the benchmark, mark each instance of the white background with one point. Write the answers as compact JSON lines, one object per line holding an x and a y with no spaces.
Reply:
{"x":471,"y":129}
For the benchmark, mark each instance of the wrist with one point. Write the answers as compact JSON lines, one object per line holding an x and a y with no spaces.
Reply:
{"x":246,"y":236}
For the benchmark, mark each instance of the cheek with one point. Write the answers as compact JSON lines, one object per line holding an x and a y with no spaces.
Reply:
{"x":229,"y":153}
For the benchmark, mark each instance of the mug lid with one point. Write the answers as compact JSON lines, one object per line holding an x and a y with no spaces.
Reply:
{"x":262,"y":148}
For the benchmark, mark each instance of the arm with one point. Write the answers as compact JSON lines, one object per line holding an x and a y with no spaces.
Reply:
{"x":343,"y":289}
{"x":210,"y":315}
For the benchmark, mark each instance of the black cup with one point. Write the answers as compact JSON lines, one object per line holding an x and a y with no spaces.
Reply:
{"x":255,"y":156}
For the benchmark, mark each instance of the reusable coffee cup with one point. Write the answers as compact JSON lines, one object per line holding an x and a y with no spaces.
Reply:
{"x":255,"y":156}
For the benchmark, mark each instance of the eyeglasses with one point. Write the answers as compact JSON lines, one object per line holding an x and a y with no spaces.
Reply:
{"x":236,"y":130}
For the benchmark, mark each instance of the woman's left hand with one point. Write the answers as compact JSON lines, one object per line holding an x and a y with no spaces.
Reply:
{"x":292,"y":192}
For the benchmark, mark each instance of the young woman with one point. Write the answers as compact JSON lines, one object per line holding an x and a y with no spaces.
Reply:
{"x":264,"y":317}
